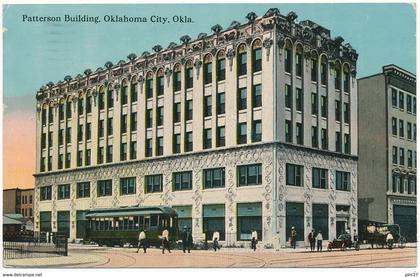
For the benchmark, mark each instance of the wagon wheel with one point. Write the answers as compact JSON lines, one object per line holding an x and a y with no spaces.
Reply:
{"x":343,"y":246}
{"x":401,"y":242}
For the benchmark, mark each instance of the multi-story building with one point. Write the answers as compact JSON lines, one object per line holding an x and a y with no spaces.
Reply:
{"x":387,"y":149}
{"x":18,"y":201}
{"x":254,"y":126}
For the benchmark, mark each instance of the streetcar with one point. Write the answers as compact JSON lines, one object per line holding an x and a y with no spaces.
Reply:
{"x":121,"y":226}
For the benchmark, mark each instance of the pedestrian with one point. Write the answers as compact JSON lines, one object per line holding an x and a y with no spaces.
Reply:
{"x":355,"y":236}
{"x":186,"y":239}
{"x":165,"y":241}
{"x":311,"y":239}
{"x":293,"y":237}
{"x":389,"y":240}
{"x":254,"y":239}
{"x":142,"y":242}
{"x":319,"y":241}
{"x":216,"y":237}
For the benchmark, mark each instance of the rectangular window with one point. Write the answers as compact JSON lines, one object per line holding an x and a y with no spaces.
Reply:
{"x":241,"y":99}
{"x":110,"y":99}
{"x":257,"y":96}
{"x":149,"y":88}
{"x":83,"y":190}
{"x":299,"y":64}
{"x":299,"y":133}
{"x":394,"y":155}
{"x":87,"y":156}
{"x":314,"y":103}
{"x":337,"y":110}
{"x":288,"y":96}
{"x":80,"y":133}
{"x":101,"y":128}
{"x":189,"y":110}
{"x":208,"y":72}
{"x":44,"y":116}
{"x":394,"y":97}
{"x":324,"y":106}
{"x":249,"y":218}
{"x":288,"y":60}
{"x":88,"y":131}
{"x":256,"y":60}
{"x":128,"y":186}
{"x":314,"y":70}
{"x":256,"y":131}
{"x":188,"y":141}
{"x":124,"y":95}
{"x":324,"y":73}
{"x":409,"y":131}
{"x":241,"y":133}
{"x":338,"y":141}
{"x":401,"y":128}
{"x":177,"y":81}
{"x":176,"y":146}
{"x":221,"y":103}
{"x":43,"y":140}
{"x":63,"y":192}
{"x":207,"y":106}
{"x":294,"y":175}
{"x":401,"y":102}
{"x":68,"y":160}
{"x":242,"y":64}
{"x":337,"y":78}
{"x":104,"y":188}
{"x":50,"y":139}
{"x":109,"y":154}
{"x":159,"y":116}
{"x":49,"y":163}
{"x":314,"y":135}
{"x":50,"y":116}
{"x":149,"y":118}
{"x":342,"y":180}
{"x":182,"y":181}
{"x":409,"y":107}
{"x":177,"y":112}
{"x":221,"y":69}
{"x":319,"y":178}
{"x":133,"y":122}
{"x":249,"y":175}
{"x":214,"y":178}
{"x":414,"y":105}
{"x":45,"y":193}
{"x":101,"y":101}
{"x":288,"y":131}
{"x":159,"y":146}
{"x":110,"y":128}
{"x":189,"y":78}
{"x":207,"y":138}
{"x":346,"y":143}
{"x":79,"y":158}
{"x":402,"y":158}
{"x":149,"y":149}
{"x":220,"y":136}
{"x":124,"y":123}
{"x":60,"y":112}
{"x":100,"y":155}
{"x":346,"y":113}
{"x":60,"y":161}
{"x":133,"y":150}
{"x":133,"y":92}
{"x":153,"y":183}
{"x":410,"y":158}
{"x":394,"y":126}
{"x":123,"y":152}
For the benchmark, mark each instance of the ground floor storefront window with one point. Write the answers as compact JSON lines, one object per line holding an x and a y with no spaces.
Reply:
{"x":45,"y":221}
{"x":63,"y":223}
{"x":214,"y":220}
{"x":249,"y":218}
{"x":184,"y":216}
{"x":295,"y":218}
{"x":81,"y":224}
{"x":320,"y":219}
{"x":405,"y":217}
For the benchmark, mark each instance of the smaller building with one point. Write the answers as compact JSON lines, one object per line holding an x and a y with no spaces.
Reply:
{"x":19,"y":201}
{"x":387,"y":149}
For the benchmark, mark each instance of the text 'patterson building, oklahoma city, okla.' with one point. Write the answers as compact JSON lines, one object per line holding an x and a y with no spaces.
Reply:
{"x":254,"y":126}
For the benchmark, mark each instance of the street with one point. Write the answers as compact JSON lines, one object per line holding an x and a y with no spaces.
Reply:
{"x":100,"y":257}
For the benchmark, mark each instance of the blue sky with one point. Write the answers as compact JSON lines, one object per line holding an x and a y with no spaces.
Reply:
{"x":36,"y":53}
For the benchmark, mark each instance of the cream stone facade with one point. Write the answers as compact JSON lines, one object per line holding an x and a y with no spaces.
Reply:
{"x":273,"y":93}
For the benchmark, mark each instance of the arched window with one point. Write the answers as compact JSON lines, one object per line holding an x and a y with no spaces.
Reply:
{"x":68,"y":107}
{"x":124,"y":92}
{"x":337,"y":75}
{"x":177,"y":77}
{"x":256,"y":56}
{"x":241,"y":60}
{"x":149,"y":85}
{"x":189,"y":74}
{"x":160,"y":82}
{"x":80,"y":104}
{"x":61,"y":110}
{"x":50,"y":115}
{"x":299,"y":60}
{"x":208,"y":69}
{"x":88,"y":102}
{"x":314,"y":67}
{"x":110,"y":97}
{"x":288,"y":57}
{"x":101,"y":98}
{"x":324,"y":70}
{"x":221,"y":66}
{"x":346,"y":76}
{"x":44,"y":114}
{"x":133,"y":91}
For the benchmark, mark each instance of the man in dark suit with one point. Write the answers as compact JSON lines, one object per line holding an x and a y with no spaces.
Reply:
{"x":186,"y":239}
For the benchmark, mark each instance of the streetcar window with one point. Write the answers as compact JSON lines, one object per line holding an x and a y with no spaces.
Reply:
{"x":147,"y":223}
{"x":101,"y":224}
{"x":130,"y":223}
{"x":154,"y":220}
{"x":121,"y":223}
{"x":171,"y":222}
{"x":141,"y":224}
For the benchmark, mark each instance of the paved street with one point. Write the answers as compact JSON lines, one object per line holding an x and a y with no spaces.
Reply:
{"x":92,"y":256}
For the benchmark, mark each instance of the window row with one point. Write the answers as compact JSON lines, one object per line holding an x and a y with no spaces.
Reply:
{"x":402,"y":183}
{"x":405,"y":102}
{"x":397,"y":128}
{"x":400,"y":156}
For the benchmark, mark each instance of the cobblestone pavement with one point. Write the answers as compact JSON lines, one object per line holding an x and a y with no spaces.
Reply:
{"x":103,"y":257}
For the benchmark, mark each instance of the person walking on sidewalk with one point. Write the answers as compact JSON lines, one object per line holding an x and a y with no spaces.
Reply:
{"x":319,"y":241}
{"x":311,"y":239}
{"x":186,"y":239}
{"x":142,"y":242}
{"x":254,"y":239}
{"x":165,"y":241}
{"x":216,"y":237}
{"x":293,"y":235}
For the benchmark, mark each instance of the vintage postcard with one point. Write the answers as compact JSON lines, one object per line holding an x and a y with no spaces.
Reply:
{"x":209,"y":136}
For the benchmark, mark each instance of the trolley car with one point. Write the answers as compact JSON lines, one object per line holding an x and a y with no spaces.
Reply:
{"x":119,"y":226}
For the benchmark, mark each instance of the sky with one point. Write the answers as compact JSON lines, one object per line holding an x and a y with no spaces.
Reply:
{"x":37,"y":53}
